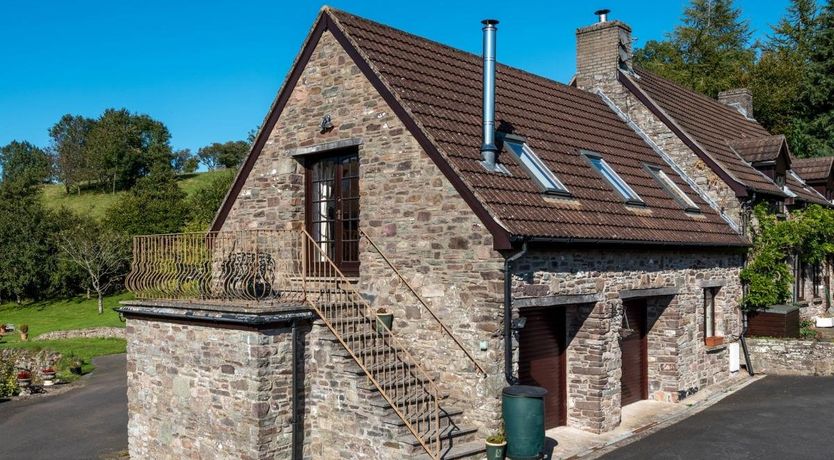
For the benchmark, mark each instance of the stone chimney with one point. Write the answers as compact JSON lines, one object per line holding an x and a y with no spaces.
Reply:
{"x":740,"y":99}
{"x":601,"y":50}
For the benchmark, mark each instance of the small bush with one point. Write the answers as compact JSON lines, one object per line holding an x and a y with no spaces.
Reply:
{"x":8,"y":379}
{"x":806,"y":329}
{"x":496,"y":438}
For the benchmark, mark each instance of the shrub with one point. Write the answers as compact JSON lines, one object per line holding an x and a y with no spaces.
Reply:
{"x":8,"y":379}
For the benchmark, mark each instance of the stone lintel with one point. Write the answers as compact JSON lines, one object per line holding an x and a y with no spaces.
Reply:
{"x":318,"y":148}
{"x":555,"y":300}
{"x":650,"y":292}
{"x":712,"y":283}
{"x":156,"y":311}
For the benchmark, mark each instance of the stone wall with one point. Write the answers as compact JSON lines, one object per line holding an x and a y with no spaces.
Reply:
{"x":92,"y":332}
{"x":791,"y":356}
{"x":31,"y":360}
{"x":679,"y":362}
{"x":206,"y":392}
{"x":409,"y":209}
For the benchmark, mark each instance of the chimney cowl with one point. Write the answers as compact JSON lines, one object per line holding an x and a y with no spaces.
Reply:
{"x":603,"y":14}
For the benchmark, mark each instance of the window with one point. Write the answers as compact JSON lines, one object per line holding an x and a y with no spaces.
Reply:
{"x":535,"y":167}
{"x":602,"y":167}
{"x":710,"y":294}
{"x":673,"y":189}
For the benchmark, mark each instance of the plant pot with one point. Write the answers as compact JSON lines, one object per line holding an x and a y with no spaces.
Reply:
{"x":496,"y":451}
{"x":714,"y":341}
{"x":24,"y":336}
{"x":75,"y":370}
{"x":24,"y":383}
{"x":384,"y":320}
{"x":824,"y":322}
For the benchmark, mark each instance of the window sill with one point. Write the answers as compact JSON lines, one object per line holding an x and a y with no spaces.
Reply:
{"x":713,"y":342}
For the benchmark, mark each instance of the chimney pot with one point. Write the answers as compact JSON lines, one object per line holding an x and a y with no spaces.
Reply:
{"x":603,"y":14}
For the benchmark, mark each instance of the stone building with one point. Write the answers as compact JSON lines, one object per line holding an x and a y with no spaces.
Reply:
{"x":732,"y":158}
{"x":562,"y":246}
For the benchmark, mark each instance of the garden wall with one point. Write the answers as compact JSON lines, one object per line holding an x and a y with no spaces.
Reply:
{"x":88,"y":333}
{"x":778,"y":356}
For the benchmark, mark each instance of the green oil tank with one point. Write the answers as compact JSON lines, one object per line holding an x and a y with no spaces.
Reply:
{"x":523,"y":411}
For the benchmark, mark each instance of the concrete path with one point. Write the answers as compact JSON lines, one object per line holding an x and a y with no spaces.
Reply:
{"x":84,"y":423}
{"x":775,"y":418}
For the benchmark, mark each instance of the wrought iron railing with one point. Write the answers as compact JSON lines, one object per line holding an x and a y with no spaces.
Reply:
{"x":273,"y":266}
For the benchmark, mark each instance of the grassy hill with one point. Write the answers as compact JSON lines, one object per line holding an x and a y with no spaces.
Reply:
{"x":96,"y":203}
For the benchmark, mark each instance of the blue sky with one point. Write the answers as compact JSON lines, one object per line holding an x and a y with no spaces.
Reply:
{"x":210,"y":69}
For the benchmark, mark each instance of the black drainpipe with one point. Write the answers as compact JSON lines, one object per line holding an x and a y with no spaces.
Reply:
{"x":743,"y":342}
{"x":297,"y":448}
{"x":508,"y":314}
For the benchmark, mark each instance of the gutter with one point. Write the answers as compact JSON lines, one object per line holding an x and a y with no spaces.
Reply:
{"x":508,"y":314}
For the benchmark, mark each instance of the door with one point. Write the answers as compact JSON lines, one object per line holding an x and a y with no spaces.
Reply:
{"x":634,"y":347}
{"x":541,"y":359}
{"x":332,"y":214}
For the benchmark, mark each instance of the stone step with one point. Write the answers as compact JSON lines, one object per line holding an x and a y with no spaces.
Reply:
{"x":380,"y":367}
{"x":383,"y":349}
{"x":410,"y":399}
{"x":468,"y":450}
{"x":445,"y":414}
{"x":400,"y":382}
{"x":450,"y":436}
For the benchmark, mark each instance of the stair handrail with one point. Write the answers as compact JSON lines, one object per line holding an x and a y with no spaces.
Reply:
{"x":443,"y":326}
{"x":397,"y":346}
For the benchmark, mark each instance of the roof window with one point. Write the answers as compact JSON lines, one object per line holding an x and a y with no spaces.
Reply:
{"x":535,"y":167}
{"x":673,"y":189}
{"x":602,"y":167}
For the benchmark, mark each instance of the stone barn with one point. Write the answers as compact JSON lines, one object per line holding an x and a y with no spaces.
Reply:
{"x":516,"y":229}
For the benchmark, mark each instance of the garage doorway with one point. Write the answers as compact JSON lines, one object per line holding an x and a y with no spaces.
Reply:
{"x":542,"y":362}
{"x":634,"y":382}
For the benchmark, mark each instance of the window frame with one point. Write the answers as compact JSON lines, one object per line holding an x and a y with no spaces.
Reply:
{"x":613,"y":179}
{"x":672,"y":188}
{"x":560,"y":188}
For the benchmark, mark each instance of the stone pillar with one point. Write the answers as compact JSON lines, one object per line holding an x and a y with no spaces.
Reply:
{"x":210,"y":384}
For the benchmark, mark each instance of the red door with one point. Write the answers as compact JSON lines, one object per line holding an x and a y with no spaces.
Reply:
{"x":541,"y":359}
{"x":634,"y":347}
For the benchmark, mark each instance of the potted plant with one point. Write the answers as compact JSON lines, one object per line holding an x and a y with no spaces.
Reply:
{"x":496,"y":446}
{"x":24,"y":332}
{"x":48,"y":375}
{"x":24,"y":378}
{"x":75,"y":366}
{"x":384,"y":319}
{"x":824,"y":320}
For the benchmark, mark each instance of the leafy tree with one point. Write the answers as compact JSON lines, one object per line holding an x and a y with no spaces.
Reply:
{"x":23,"y":242}
{"x":156,"y":204}
{"x":191,"y":164}
{"x":123,"y":147}
{"x":24,"y":164}
{"x":69,"y":138}
{"x":181,"y":159}
{"x":205,"y":202}
{"x":101,"y":253}
{"x":228,"y":154}
{"x":709,"y":52}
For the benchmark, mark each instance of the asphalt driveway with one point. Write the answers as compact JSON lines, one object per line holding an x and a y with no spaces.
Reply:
{"x":774,"y":418}
{"x":84,"y":423}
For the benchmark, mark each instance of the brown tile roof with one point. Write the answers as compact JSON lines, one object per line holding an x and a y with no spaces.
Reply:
{"x":814,"y":169}
{"x":757,"y":149}
{"x":802,"y":190}
{"x":440,"y":87}
{"x":712,"y":125}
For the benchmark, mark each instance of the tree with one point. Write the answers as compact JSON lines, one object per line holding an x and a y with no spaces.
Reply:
{"x":24,"y":250}
{"x":156,"y":204}
{"x":191,"y":165}
{"x":69,"y":137}
{"x":101,"y":253}
{"x":709,"y":52}
{"x":205,"y":202}
{"x":183,"y":159}
{"x":124,"y":147}
{"x":24,"y":164}
{"x":228,"y":154}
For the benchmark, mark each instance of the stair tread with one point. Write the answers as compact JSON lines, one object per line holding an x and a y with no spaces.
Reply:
{"x":394,"y":419}
{"x":447,"y":432}
{"x":458,"y":451}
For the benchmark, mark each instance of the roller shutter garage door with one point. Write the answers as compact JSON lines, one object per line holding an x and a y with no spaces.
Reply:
{"x":542,"y":359}
{"x":634,"y":382}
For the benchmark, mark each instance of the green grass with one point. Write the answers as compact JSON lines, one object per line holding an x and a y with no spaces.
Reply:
{"x":61,"y":315}
{"x":97,"y":202}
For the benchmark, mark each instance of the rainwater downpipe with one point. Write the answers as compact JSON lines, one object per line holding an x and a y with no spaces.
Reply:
{"x":508,"y":313}
{"x":296,"y":421}
{"x":748,"y":224}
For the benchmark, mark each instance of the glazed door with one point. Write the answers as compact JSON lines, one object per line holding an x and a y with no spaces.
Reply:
{"x":541,"y":359}
{"x":634,"y":381}
{"x":333,"y":209}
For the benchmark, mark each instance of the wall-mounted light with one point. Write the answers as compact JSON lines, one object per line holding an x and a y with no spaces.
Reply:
{"x":326,"y":124}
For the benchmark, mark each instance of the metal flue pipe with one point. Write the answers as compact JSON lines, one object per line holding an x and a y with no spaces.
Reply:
{"x":488,"y":148}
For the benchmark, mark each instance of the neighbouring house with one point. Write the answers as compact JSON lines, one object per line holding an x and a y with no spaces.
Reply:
{"x":818,"y":173}
{"x":518,"y":229}
{"x":735,"y":160}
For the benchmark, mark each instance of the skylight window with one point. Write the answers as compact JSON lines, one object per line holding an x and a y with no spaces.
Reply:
{"x":535,"y":167}
{"x":673,"y":189}
{"x":602,"y":167}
